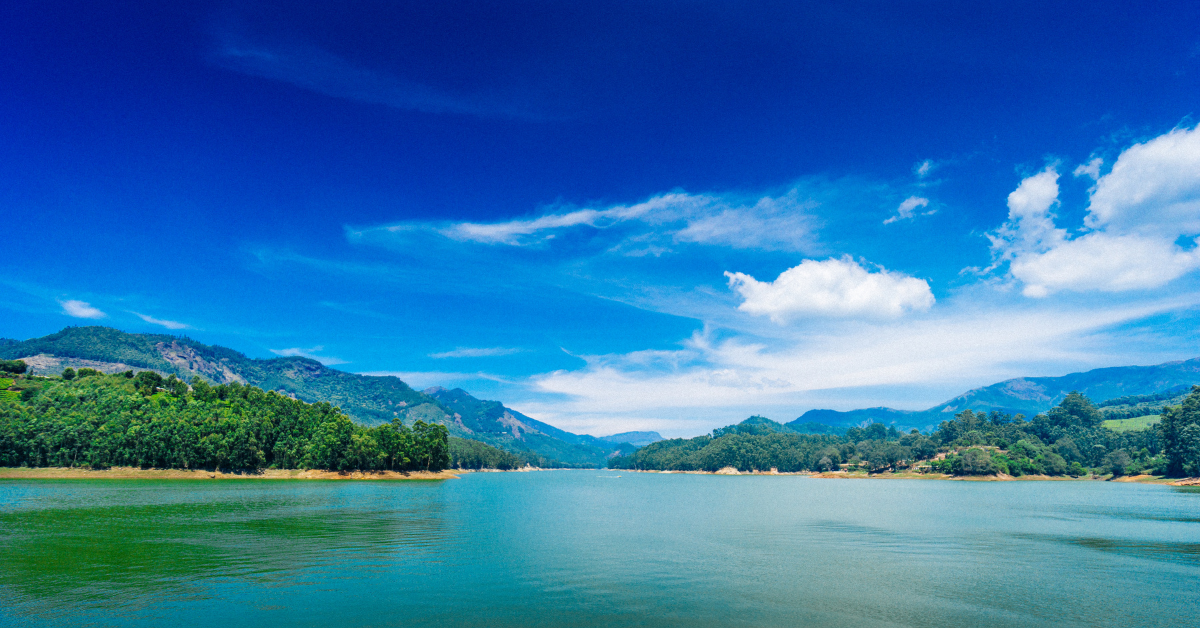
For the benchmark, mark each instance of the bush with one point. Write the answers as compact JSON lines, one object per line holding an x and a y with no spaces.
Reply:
{"x":68,"y":373}
{"x":13,"y":366}
{"x":1053,"y":464}
{"x":974,"y":462}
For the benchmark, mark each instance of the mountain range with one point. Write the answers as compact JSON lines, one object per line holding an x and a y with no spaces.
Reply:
{"x":1023,"y":395}
{"x":368,"y":399}
{"x":377,"y":399}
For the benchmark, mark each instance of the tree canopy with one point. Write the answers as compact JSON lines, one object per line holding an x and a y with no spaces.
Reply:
{"x":146,"y":420}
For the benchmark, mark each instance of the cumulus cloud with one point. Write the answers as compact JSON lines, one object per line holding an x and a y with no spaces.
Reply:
{"x":771,"y":223}
{"x":81,"y":309}
{"x":832,"y":288}
{"x":476,"y":352}
{"x":907,"y":207}
{"x":1152,"y":189}
{"x":1136,"y":215}
{"x":309,"y":353}
{"x":161,"y":322}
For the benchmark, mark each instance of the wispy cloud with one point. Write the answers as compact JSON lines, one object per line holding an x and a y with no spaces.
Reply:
{"x":162,"y":323}
{"x":767,"y":223}
{"x":323,"y":72}
{"x":476,"y":352}
{"x":81,"y":309}
{"x":964,"y":345}
{"x":310,"y":353}
{"x":907,"y":208}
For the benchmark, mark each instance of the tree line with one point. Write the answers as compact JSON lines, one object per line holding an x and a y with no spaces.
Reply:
{"x":86,"y":418}
{"x":1067,"y":440}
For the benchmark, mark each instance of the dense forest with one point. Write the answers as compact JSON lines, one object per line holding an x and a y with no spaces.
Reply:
{"x":370,"y":400}
{"x":1067,"y":440}
{"x":86,"y":418}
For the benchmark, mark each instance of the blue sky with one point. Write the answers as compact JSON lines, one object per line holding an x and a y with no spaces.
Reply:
{"x":613,"y":216}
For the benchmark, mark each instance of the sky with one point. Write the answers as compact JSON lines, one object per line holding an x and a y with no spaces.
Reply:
{"x":612,"y":215}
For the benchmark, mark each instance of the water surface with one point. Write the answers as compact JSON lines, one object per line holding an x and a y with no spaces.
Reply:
{"x":598,"y":548}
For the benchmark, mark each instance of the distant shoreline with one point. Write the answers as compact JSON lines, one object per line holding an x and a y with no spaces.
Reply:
{"x":134,"y":473}
{"x":842,"y":475}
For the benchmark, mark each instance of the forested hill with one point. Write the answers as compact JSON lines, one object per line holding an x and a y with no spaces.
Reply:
{"x":370,"y":400}
{"x":96,"y":420}
{"x":1070,"y":439}
{"x":1027,"y":395}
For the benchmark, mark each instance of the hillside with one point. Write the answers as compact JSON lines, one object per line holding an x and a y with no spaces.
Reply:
{"x":1070,"y":439}
{"x":1029,"y":395}
{"x":370,"y":400}
{"x":491,"y":422}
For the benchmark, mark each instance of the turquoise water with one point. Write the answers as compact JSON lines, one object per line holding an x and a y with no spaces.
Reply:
{"x":598,"y":548}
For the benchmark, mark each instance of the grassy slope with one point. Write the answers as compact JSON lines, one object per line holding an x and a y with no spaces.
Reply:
{"x":1132,"y":425}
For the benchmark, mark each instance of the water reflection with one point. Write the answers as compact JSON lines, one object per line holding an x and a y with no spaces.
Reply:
{"x":578,"y":549}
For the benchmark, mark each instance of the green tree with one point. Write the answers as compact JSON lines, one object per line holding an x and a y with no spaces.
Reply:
{"x":13,"y":366}
{"x":68,"y":373}
{"x":975,"y":462}
{"x":1180,"y":429}
{"x":1075,"y":409}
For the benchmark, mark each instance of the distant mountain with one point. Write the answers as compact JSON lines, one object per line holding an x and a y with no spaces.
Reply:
{"x":637,"y":439}
{"x":370,"y":400}
{"x":492,"y":423}
{"x":1028,"y":395}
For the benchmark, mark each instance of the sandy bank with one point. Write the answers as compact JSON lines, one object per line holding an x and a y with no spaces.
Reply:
{"x":905,"y":475}
{"x":134,"y":473}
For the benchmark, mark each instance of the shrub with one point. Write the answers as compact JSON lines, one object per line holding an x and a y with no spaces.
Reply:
{"x":13,"y":366}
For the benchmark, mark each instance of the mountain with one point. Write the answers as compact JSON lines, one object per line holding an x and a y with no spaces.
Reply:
{"x":370,"y":400}
{"x":491,"y":422}
{"x":1027,"y":395}
{"x":637,"y":439}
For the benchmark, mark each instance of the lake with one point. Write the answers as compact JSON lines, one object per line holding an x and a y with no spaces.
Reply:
{"x":598,"y":548}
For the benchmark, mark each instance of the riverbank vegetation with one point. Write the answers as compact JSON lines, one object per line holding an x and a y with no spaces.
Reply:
{"x":88,"y":419}
{"x":1069,"y":440}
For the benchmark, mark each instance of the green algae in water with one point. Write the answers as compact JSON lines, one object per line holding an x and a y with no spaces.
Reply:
{"x":586,"y":548}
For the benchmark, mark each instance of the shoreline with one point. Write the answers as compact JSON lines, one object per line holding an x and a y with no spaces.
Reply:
{"x":842,"y":475}
{"x":135,"y":473}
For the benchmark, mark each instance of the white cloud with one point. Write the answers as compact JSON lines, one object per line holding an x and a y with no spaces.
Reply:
{"x":1153,"y":188}
{"x":907,"y":207}
{"x":1105,"y":263}
{"x":924,"y":168}
{"x":476,"y":352}
{"x":966,"y":345}
{"x":834,"y":287}
{"x":1090,"y":169}
{"x":1136,"y":215}
{"x":310,"y":354}
{"x":81,"y":309}
{"x":163,"y":323}
{"x":773,"y":223}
